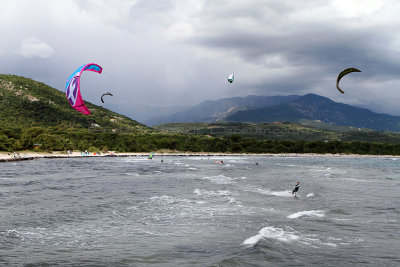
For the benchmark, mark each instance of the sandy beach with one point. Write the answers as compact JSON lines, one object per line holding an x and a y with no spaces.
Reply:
{"x":30,"y":155}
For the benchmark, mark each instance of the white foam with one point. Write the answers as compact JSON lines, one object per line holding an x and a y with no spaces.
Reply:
{"x":310,"y":195}
{"x":162,"y":200}
{"x":272,"y":233}
{"x":200,"y":192}
{"x":233,"y":200}
{"x":285,"y":193}
{"x":132,"y":174}
{"x":289,"y":235}
{"x":166,"y":199}
{"x":197,"y":192}
{"x":309,"y":213}
{"x":219,"y":179}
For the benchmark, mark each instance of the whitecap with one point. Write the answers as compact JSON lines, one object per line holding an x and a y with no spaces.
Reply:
{"x":272,"y":233}
{"x":310,"y":195}
{"x":289,"y":235}
{"x":132,"y":174}
{"x":233,"y":200}
{"x":309,"y":213}
{"x":200,"y":192}
{"x":285,"y":193}
{"x":197,"y":191}
{"x":219,"y":179}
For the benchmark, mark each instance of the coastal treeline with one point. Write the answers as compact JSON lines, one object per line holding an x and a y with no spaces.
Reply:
{"x":61,"y":139}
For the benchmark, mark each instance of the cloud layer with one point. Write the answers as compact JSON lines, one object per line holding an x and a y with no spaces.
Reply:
{"x":34,"y":47}
{"x":175,"y":52}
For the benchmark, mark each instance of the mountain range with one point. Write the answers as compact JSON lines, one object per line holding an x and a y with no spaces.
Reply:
{"x":315,"y":107}
{"x":25,"y":102}
{"x":217,"y":110}
{"x":293,"y":108}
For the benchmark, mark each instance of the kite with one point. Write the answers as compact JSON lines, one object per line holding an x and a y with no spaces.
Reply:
{"x":106,"y":93}
{"x":231,"y":77}
{"x":343,"y":73}
{"x":151,"y":155}
{"x":73,"y":90}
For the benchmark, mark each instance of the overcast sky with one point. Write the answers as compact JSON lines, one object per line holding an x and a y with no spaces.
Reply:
{"x":179,"y":52}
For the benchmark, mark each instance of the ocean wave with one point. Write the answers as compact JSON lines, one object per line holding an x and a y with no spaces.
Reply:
{"x":309,"y":213}
{"x":310,"y":195}
{"x":289,"y":235}
{"x":352,"y":179}
{"x":10,"y":234}
{"x":285,"y":193}
{"x":271,"y":233}
{"x":200,"y":192}
{"x":219,"y":179}
{"x":132,"y":174}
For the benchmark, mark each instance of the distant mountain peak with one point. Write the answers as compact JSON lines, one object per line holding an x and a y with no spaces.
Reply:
{"x":316,"y":107}
{"x":216,"y":110}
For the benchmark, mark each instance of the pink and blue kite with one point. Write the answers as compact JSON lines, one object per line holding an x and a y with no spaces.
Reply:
{"x":72,"y":87}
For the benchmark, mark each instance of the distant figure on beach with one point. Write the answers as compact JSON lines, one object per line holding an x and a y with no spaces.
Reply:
{"x":296,"y":188}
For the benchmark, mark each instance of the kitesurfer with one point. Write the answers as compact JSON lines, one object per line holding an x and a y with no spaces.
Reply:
{"x":296,"y":188}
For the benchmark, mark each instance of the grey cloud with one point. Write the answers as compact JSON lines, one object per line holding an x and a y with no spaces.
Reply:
{"x":170,"y":52}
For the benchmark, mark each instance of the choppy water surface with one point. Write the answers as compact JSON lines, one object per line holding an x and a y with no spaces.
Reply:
{"x":191,"y":211}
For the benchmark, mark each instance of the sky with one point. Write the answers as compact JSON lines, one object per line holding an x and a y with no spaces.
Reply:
{"x":179,"y":52}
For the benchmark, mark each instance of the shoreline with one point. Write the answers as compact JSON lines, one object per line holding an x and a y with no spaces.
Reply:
{"x":31,"y":155}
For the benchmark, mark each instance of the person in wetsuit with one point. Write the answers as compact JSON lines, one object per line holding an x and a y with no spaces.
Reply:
{"x":296,"y":188}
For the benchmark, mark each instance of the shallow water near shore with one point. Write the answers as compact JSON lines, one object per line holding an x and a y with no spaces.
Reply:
{"x":192,"y":211}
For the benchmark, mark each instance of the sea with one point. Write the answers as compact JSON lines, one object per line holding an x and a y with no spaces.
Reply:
{"x":199,"y":211}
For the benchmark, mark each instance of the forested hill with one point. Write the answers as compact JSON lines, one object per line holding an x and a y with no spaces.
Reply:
{"x":26,"y":103}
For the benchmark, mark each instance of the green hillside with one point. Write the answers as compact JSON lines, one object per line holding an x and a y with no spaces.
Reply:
{"x":32,"y":113}
{"x":25,"y":102}
{"x":35,"y":116}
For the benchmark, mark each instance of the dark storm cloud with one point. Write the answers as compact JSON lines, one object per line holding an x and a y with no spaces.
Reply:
{"x":169,"y":52}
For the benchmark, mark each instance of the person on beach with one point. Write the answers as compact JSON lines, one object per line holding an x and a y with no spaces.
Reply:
{"x":296,"y":188}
